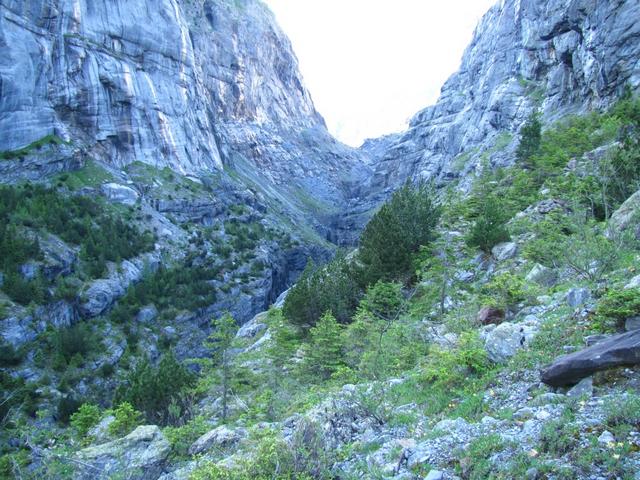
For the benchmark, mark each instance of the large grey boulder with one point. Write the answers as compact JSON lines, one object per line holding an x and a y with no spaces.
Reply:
{"x":504,"y":341}
{"x":616,"y":351}
{"x":141,"y":455}
{"x":504,"y":251}
{"x":627,"y":216}
{"x":542,"y":275}
{"x":578,"y":296}
{"x":120,"y":193}
{"x":220,"y":438}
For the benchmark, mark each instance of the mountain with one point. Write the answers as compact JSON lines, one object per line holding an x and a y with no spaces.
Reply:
{"x":557,"y":57}
{"x":174,"y":304}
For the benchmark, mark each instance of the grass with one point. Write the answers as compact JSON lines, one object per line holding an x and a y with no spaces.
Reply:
{"x":37,"y":145}
{"x":91,"y":174}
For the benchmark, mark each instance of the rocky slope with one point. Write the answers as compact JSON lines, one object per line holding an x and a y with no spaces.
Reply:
{"x":557,"y":57}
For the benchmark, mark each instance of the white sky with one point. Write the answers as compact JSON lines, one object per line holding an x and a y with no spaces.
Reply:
{"x":371,"y":64}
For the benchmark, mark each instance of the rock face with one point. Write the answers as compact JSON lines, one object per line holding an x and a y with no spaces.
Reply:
{"x":627,"y":216}
{"x":140,"y":455}
{"x":558,"y":56}
{"x":176,"y":83}
{"x":616,"y":351}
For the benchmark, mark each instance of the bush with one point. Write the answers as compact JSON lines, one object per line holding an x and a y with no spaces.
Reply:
{"x":615,"y":307}
{"x":323,"y":355}
{"x":530,"y":135}
{"x":154,"y":390}
{"x":489,"y":228}
{"x":85,"y":418}
{"x":126,"y":419}
{"x":396,"y":232}
{"x":67,"y":406}
{"x":332,"y":287}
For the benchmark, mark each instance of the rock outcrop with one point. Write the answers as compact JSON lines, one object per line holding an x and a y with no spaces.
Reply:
{"x":558,"y":56}
{"x":141,"y":455}
{"x":187,"y":85}
{"x":616,"y":351}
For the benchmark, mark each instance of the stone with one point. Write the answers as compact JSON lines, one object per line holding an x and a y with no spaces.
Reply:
{"x":593,"y":339}
{"x":584,"y":388}
{"x":626,"y":216}
{"x":434,"y":475}
{"x":632,"y":323}
{"x":147,"y":314}
{"x":101,"y":294}
{"x":220,"y":438}
{"x":616,"y":351}
{"x":504,"y":251}
{"x":606,"y":438}
{"x":633,"y":283}
{"x":542,"y":275}
{"x":577,"y":297}
{"x":490,"y":315}
{"x":141,"y":455}
{"x":504,"y":341}
{"x":120,"y":193}
{"x":253,"y":327}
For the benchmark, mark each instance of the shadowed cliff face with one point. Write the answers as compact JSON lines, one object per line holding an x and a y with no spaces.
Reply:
{"x":558,"y":56}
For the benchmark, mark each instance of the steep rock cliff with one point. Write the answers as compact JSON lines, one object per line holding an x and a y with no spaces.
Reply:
{"x":558,"y":56}
{"x":193,"y":86}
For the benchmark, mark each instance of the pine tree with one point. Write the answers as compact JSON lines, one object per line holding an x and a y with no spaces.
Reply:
{"x":221,"y":341}
{"x":396,"y":232}
{"x":530,"y":136}
{"x":323,"y":354}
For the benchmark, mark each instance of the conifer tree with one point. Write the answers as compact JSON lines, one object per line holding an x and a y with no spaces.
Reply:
{"x":323,"y":354}
{"x":221,"y":341}
{"x":396,"y":232}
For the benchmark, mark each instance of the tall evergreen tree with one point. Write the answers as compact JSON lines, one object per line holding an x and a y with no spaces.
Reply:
{"x":530,"y":136}
{"x":323,"y":354}
{"x":221,"y":341}
{"x":396,"y":232}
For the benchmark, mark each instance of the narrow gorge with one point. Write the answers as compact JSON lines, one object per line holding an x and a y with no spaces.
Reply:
{"x":163,"y":168}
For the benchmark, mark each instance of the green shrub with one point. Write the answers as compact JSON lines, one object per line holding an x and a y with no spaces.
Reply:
{"x":323,"y":355}
{"x":489,"y":228}
{"x":9,"y":356}
{"x":153,"y":390}
{"x":127,"y":418}
{"x":85,"y":418}
{"x":67,"y":406}
{"x":332,"y":287}
{"x":396,"y":232}
{"x":506,"y":290}
{"x":452,"y":367}
{"x":530,"y":135}
{"x":615,"y":307}
{"x":478,"y":454}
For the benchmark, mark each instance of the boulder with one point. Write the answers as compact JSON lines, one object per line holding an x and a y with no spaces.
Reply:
{"x":633,"y":283}
{"x":542,"y":275}
{"x":583,"y":388}
{"x":120,"y":193}
{"x":632,"y":323}
{"x":141,"y":455}
{"x":578,"y":296}
{"x":490,"y":315}
{"x":434,"y":475}
{"x":220,"y":437}
{"x":147,"y":314}
{"x":504,"y":251}
{"x":627,"y":216}
{"x":504,"y":341}
{"x":616,"y":351}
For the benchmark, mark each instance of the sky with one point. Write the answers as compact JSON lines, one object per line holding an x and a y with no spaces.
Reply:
{"x":370,"y":65}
